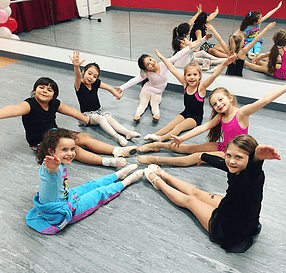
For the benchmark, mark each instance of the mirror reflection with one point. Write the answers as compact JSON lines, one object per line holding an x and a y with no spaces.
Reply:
{"x":125,"y":31}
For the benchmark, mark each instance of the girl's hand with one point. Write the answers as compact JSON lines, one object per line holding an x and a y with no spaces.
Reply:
{"x":176,"y":141}
{"x":118,"y":89}
{"x":208,"y":36}
{"x":119,"y":95}
{"x":200,"y":160}
{"x":75,"y":59}
{"x":271,"y":25}
{"x":159,"y":54}
{"x":52,"y":163}
{"x":266,"y":152}
{"x":209,"y":26}
{"x":200,"y":8}
{"x":216,"y":10}
{"x":279,"y":5}
{"x":230,"y":59}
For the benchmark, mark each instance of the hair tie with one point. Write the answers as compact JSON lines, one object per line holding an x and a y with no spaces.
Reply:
{"x":53,"y":129}
{"x":249,"y":14}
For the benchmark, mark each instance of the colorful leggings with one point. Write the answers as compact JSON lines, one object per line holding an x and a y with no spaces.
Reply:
{"x":93,"y":194}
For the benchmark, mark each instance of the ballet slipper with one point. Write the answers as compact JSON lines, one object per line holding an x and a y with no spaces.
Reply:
{"x":147,"y":172}
{"x":132,"y":178}
{"x":156,"y":118}
{"x":153,"y":137}
{"x":156,"y":169}
{"x":150,"y":147}
{"x":119,"y":162}
{"x":122,"y":141}
{"x":126,"y":151}
{"x":132,"y":134}
{"x":144,"y":159}
{"x":136,"y":118}
{"x":125,"y":171}
{"x":206,"y":64}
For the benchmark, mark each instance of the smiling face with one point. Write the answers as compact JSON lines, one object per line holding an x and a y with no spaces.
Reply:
{"x":236,"y":159}
{"x":65,"y":150}
{"x":90,"y":75}
{"x":192,"y":76}
{"x":221,"y":102}
{"x":44,"y":93}
{"x":150,"y":63}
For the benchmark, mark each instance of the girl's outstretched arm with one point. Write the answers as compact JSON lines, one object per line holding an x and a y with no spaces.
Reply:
{"x":266,"y":152}
{"x":271,"y":12}
{"x":196,"y":131}
{"x":212,"y":15}
{"x":15,"y":110}
{"x":115,"y":93}
{"x":257,"y":38}
{"x":218,"y":38}
{"x":171,"y":67}
{"x":52,"y":164}
{"x":251,"y":108}
{"x":194,"y":18}
{"x":72,"y":112}
{"x":77,"y":73}
{"x":207,"y":82}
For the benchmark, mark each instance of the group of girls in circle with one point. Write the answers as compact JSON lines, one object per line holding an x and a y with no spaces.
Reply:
{"x":228,"y":220}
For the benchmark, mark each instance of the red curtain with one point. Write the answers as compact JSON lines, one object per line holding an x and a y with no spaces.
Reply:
{"x":41,"y":13}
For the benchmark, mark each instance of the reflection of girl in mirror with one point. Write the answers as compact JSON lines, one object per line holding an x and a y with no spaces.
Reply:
{"x":199,"y":30}
{"x":271,"y":67}
{"x":231,"y":220}
{"x":86,"y":85}
{"x":180,"y":41}
{"x":227,"y":121}
{"x":39,"y":115}
{"x":236,"y":47}
{"x":251,"y":26}
{"x":154,"y":77}
{"x":194,"y":94}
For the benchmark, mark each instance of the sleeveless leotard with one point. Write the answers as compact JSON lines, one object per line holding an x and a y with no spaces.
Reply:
{"x":281,"y":72}
{"x":194,"y":106}
{"x":230,"y":130}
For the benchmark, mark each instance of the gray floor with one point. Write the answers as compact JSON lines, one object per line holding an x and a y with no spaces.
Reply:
{"x":141,"y":230}
{"x":128,"y":35}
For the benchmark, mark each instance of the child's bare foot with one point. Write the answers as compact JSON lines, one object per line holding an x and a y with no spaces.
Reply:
{"x":150,"y":147}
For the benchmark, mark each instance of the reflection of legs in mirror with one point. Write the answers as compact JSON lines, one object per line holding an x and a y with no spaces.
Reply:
{"x":261,"y":67}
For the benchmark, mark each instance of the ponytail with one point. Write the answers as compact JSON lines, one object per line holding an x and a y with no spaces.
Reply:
{"x":250,"y":19}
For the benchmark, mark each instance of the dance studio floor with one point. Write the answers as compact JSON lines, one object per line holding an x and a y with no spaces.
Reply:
{"x":141,"y":230}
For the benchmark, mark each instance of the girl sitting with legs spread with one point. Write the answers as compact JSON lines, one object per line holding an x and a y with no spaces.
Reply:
{"x":86,"y":85}
{"x":227,"y":120}
{"x":56,"y":205}
{"x":271,"y":67}
{"x":154,"y":77}
{"x":194,"y":94}
{"x":231,"y":220}
{"x":39,"y":115}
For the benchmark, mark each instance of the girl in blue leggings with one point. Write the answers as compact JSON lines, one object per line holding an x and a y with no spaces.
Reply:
{"x":56,"y":205}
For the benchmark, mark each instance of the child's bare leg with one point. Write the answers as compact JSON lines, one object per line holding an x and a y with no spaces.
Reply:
{"x":185,"y":125}
{"x":217,"y":51}
{"x":165,"y":130}
{"x":182,"y":149}
{"x":182,"y":161}
{"x":257,"y":68}
{"x":201,"y":210}
{"x":94,"y":145}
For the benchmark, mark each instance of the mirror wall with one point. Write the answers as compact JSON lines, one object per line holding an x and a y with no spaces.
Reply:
{"x":120,"y":33}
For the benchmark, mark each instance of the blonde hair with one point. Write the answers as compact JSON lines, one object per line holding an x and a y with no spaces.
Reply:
{"x":215,"y":133}
{"x":234,"y":42}
{"x":193,"y":65}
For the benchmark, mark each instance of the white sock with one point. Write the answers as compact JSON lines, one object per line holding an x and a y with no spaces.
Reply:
{"x":132,"y":134}
{"x":114,"y":162}
{"x":132,"y":178}
{"x":122,"y":140}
